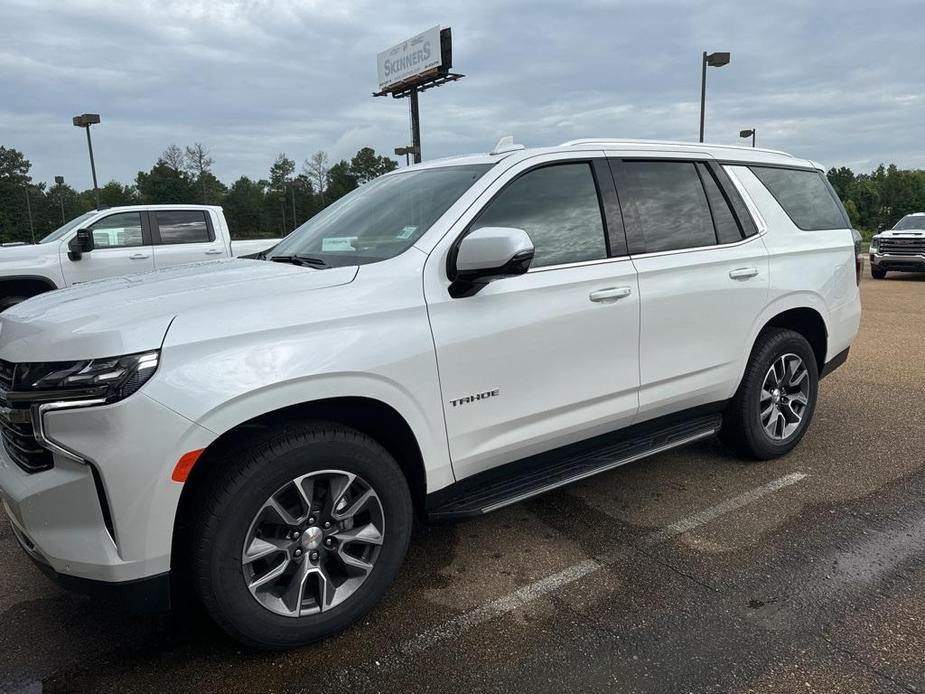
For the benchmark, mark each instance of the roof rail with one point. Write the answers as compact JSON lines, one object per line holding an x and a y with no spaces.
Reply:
{"x":625,"y":141}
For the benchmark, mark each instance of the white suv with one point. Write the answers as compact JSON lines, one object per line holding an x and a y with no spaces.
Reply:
{"x":446,"y":340}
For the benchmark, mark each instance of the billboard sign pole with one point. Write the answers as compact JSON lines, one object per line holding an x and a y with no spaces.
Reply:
{"x":413,"y":66}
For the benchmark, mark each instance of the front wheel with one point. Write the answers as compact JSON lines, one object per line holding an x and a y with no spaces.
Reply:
{"x":774,"y":404}
{"x":301,"y":535}
{"x":877,"y":273}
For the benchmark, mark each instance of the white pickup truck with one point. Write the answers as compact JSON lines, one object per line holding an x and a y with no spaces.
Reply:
{"x":119,"y":241}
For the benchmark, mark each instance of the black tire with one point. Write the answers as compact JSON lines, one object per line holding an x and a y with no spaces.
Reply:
{"x":877,"y":273}
{"x":9,"y":301}
{"x":232,"y":497}
{"x":742,"y":424}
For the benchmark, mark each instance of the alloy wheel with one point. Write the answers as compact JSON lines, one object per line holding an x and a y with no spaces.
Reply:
{"x":313,"y":543}
{"x":784,"y":397}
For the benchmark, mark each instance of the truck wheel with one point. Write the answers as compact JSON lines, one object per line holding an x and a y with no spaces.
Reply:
{"x":774,"y":404}
{"x":298,"y":536}
{"x":9,"y":301}
{"x":877,"y":273}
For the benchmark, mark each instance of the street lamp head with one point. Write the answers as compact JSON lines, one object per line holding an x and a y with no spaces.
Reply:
{"x":86,"y":120}
{"x":718,"y":59}
{"x":59,"y":180}
{"x":746,"y":133}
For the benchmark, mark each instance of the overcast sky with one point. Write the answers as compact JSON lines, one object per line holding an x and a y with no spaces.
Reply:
{"x":838,"y":82}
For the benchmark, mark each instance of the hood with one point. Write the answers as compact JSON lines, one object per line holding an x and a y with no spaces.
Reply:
{"x":901,"y":233}
{"x":20,"y":250}
{"x":131,"y":314}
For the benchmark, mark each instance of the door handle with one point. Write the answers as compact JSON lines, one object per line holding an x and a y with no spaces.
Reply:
{"x":137,"y":256}
{"x":214,"y":251}
{"x":610,"y":293}
{"x":743,"y":273}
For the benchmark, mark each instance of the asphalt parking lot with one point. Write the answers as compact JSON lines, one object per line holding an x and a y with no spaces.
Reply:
{"x":687,"y":572}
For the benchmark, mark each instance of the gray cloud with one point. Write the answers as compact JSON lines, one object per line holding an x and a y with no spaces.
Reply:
{"x":841,"y":83}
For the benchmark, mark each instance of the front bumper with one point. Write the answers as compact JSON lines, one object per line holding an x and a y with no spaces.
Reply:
{"x":108,"y":518}
{"x":150,"y":594}
{"x":907,"y":263}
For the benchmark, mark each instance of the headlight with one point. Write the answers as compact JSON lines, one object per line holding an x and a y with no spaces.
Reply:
{"x":112,"y":378}
{"x":875,"y":245}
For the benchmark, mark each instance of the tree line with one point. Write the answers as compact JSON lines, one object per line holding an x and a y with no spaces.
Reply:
{"x":273,"y":206}
{"x":877,"y":200}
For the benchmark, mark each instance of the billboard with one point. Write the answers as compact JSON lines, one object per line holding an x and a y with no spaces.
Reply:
{"x":419,"y":55}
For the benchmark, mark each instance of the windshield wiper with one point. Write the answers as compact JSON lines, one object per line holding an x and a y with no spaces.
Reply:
{"x":299,"y":260}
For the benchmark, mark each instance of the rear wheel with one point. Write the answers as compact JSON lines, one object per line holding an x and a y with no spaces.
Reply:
{"x":877,"y":273}
{"x":777,"y":397}
{"x":300,"y":536}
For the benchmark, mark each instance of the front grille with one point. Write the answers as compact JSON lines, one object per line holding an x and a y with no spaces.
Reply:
{"x":16,"y":427}
{"x":900,"y":246}
{"x":19,"y":440}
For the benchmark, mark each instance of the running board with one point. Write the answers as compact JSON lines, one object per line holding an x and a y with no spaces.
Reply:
{"x":549,"y":471}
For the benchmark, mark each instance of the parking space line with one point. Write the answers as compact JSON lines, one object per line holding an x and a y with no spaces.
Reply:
{"x":503,"y":605}
{"x":736,"y":502}
{"x":532,"y":591}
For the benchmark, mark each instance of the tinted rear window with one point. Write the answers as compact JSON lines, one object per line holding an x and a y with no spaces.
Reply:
{"x":805,"y":197}
{"x":669,"y":204}
{"x":727,"y":229}
{"x":182,"y":226}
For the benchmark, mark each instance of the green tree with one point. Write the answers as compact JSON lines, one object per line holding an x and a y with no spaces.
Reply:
{"x":14,"y":167}
{"x":367,"y":165}
{"x":114,"y":194}
{"x":278,"y":203}
{"x":15,"y":185}
{"x":167,"y":181}
{"x":340,"y":181}
{"x":244,"y":209}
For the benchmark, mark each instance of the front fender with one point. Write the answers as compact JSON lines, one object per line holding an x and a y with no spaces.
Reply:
{"x":430,"y":438}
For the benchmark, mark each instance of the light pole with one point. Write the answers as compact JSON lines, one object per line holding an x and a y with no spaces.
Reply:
{"x":85,"y":121}
{"x":59,"y":181}
{"x":29,"y":212}
{"x":408,"y":152}
{"x":748,"y":133}
{"x":713,"y":60}
{"x":292,"y":190}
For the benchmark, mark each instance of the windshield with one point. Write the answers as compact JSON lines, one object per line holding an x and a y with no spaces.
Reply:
{"x":380,"y":219}
{"x":911,"y":221}
{"x":61,"y":231}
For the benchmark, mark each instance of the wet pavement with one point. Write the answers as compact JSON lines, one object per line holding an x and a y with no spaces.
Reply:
{"x":688,"y":572}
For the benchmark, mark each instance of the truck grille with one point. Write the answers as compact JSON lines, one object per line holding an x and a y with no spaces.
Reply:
{"x":6,"y":375}
{"x":900,"y":246}
{"x":16,"y":428}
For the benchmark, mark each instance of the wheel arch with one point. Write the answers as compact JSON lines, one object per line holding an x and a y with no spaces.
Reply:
{"x":375,"y":418}
{"x":25,"y":285}
{"x":804,"y":316}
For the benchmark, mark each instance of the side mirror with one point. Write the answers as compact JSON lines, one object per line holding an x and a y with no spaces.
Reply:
{"x":80,"y":244}
{"x":488,"y":254}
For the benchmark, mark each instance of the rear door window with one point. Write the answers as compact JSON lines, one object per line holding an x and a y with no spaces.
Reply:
{"x":805,"y":196}
{"x":181,"y":226}
{"x":727,"y":228}
{"x":668,"y":204}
